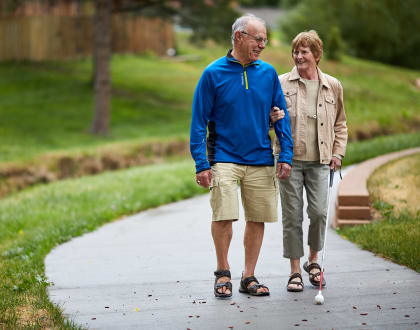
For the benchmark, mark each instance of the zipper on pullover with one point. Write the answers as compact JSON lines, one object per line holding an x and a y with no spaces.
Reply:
{"x":244,"y":67}
{"x":246,"y":79}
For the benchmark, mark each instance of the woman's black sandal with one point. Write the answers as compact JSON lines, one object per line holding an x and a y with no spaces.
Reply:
{"x":299,"y":283}
{"x":218,"y":286}
{"x":312,"y":277}
{"x":252,"y":290}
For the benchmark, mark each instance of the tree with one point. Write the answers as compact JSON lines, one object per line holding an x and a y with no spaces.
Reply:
{"x":334,"y":44}
{"x":102,"y":54}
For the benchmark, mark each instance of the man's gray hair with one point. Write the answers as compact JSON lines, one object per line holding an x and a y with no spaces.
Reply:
{"x":241,"y":23}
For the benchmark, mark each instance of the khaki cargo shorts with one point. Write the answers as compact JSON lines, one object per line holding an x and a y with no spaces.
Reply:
{"x":259,"y":192}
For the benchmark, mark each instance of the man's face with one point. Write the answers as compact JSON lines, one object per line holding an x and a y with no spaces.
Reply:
{"x":253,"y":41}
{"x":304,"y":58}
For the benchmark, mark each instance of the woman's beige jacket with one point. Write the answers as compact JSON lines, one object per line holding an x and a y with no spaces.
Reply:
{"x":331,"y":118}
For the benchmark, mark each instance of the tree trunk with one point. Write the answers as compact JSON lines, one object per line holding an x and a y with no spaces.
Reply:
{"x":102,"y":54}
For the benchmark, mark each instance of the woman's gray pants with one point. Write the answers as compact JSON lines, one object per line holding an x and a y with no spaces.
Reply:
{"x":314,"y":177}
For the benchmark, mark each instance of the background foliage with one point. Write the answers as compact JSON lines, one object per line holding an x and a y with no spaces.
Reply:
{"x":381,"y":30}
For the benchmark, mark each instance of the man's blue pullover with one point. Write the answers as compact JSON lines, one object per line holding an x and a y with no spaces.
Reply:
{"x":234,"y":102}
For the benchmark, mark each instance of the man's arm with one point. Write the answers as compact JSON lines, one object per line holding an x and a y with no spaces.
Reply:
{"x":284,"y":134}
{"x":282,"y":126}
{"x":201,"y":109}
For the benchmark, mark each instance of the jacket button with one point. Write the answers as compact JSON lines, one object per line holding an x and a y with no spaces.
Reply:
{"x":320,"y":105}
{"x":322,"y":142}
{"x":322,"y":124}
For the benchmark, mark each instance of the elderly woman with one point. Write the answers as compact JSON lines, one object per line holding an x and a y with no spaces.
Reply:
{"x":318,"y":122}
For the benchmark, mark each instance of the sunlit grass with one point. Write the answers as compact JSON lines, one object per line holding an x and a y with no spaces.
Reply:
{"x":396,"y":233}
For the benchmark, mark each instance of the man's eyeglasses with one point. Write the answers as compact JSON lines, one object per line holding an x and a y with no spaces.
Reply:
{"x":259,"y":40}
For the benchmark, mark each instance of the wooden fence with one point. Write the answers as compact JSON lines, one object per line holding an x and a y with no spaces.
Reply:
{"x":51,"y":37}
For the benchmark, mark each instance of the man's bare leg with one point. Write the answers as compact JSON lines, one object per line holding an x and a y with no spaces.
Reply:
{"x":253,"y":238}
{"x":222,"y":236}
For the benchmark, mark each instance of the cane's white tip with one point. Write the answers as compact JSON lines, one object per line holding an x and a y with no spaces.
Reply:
{"x":319,"y":299}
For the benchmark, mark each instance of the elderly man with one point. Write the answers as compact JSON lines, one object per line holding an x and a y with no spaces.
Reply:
{"x":233,"y":100}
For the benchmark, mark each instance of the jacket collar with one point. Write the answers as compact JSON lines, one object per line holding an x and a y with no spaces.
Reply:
{"x":294,"y":75}
{"x":232,"y":59}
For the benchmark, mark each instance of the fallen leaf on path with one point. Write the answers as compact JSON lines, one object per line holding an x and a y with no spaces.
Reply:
{"x":406,"y":315}
{"x":364,"y":314}
{"x":137,"y":309}
{"x":354,"y":307}
{"x":247,"y":322}
{"x":379,"y":306}
{"x":93,"y":318}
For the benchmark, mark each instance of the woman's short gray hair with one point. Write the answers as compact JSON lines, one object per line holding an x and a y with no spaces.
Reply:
{"x":241,"y":23}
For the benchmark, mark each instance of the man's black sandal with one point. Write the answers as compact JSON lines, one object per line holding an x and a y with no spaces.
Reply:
{"x":252,"y":290}
{"x":299,"y":283}
{"x":312,"y":277}
{"x":218,"y":286}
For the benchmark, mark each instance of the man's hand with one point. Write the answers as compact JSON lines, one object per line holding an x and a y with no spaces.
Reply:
{"x":276,"y":114}
{"x":335,"y":163}
{"x":283,"y":170}
{"x":204,"y":178}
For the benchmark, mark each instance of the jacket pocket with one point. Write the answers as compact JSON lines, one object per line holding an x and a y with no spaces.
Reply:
{"x":291,"y":99}
{"x":331,"y":108}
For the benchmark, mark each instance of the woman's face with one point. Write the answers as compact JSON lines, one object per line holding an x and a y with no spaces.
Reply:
{"x":304,"y":58}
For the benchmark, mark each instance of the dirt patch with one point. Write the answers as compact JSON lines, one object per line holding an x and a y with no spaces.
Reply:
{"x":14,"y":178}
{"x":30,"y":317}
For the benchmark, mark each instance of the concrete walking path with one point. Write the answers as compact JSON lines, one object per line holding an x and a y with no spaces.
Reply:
{"x":154,"y":270}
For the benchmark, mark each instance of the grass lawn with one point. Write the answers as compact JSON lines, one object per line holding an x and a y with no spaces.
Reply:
{"x":395,"y":193}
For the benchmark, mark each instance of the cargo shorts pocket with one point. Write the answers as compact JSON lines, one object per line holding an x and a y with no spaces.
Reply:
{"x":271,"y":173}
{"x":215,"y":192}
